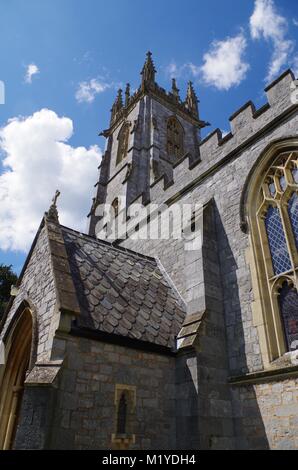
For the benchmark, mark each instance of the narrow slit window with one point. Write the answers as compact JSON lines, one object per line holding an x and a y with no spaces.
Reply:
{"x":122,"y":415}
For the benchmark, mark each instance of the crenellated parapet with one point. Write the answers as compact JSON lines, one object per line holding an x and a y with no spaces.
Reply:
{"x":247,"y":125}
{"x":155,"y":152}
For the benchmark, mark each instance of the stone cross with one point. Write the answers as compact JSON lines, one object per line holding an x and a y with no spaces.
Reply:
{"x":54,"y":200}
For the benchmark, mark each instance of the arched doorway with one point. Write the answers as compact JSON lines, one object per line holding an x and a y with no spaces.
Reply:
{"x":18,"y":346}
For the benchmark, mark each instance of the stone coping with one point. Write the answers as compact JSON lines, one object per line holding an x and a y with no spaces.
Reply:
{"x":264,"y":376}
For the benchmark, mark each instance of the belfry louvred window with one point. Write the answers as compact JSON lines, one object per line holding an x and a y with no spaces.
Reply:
{"x":277,"y":217}
{"x":123,"y":138}
{"x":175,"y":136}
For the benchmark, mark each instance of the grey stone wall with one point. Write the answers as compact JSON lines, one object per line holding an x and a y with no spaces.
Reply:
{"x":84,"y":416}
{"x":186,"y":401}
{"x":266,"y":415}
{"x":146,"y":154}
{"x":225,"y":184}
{"x":38,"y":287}
{"x":221,"y":175}
{"x":34,"y":429}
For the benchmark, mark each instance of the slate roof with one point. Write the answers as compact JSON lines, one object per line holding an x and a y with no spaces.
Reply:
{"x":122,"y":292}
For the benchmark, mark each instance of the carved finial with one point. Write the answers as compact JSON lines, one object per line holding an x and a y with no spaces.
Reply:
{"x":117,"y":106}
{"x":192,"y":100}
{"x":57,"y":194}
{"x":175,"y":90}
{"x":52,"y":213}
{"x":127,"y":94}
{"x":93,"y":207}
{"x":119,"y":100}
{"x":148,"y":71}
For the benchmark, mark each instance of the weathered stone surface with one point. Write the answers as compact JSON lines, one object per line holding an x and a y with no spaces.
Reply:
{"x":37,"y":285}
{"x":261,"y":410}
{"x":90,"y":406}
{"x":204,"y":296}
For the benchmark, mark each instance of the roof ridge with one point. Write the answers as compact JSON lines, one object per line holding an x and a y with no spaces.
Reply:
{"x":112,"y":245}
{"x":170,"y":282}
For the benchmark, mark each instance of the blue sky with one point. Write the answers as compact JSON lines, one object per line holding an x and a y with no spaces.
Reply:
{"x":81,"y":52}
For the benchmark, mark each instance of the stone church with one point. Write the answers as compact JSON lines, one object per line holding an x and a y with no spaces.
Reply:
{"x":160,"y":342}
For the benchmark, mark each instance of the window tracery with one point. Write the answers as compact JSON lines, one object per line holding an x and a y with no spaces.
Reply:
{"x":277,"y":219}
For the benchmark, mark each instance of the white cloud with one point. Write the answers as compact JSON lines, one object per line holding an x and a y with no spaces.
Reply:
{"x":173,"y":70}
{"x":295,"y":65}
{"x":224,"y":65}
{"x":37,"y":161}
{"x":194,"y":69}
{"x":31,"y":70}
{"x":266,"y":23}
{"x":87,"y":91}
{"x":295,"y":22}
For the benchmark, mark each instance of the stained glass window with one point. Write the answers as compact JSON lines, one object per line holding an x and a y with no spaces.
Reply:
{"x":277,"y":241}
{"x":272,"y":189}
{"x":277,"y":210}
{"x":295,"y":174}
{"x":282,"y":182}
{"x":293,"y":214}
{"x":288,"y":301}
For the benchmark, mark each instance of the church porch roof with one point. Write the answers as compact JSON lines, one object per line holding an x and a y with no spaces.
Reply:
{"x":122,"y":292}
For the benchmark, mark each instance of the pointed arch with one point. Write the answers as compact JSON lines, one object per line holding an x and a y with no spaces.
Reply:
{"x":115,"y":206}
{"x":288,"y":305}
{"x":122,"y":414}
{"x":125,"y":405}
{"x":19,"y":354}
{"x":123,"y":139}
{"x":175,"y":138}
{"x":269,"y":213}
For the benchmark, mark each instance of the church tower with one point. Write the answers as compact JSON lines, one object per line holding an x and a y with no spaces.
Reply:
{"x":150,"y":132}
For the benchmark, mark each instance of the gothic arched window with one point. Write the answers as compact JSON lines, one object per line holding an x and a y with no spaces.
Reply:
{"x":123,"y":138}
{"x":288,"y":304}
{"x":115,"y":205}
{"x":175,"y":137}
{"x":275,"y":235}
{"x":125,"y":415}
{"x":293,"y":215}
{"x":122,"y":415}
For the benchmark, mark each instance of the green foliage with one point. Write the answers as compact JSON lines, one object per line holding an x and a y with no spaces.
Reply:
{"x":7,"y":279}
